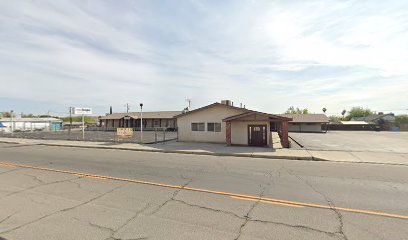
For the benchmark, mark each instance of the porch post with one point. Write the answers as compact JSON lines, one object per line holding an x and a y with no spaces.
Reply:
{"x":285,"y":134}
{"x":228,"y":133}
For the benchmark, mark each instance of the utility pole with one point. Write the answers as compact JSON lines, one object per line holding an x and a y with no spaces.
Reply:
{"x":189,"y":103}
{"x":127,"y":107}
{"x":141,"y":123}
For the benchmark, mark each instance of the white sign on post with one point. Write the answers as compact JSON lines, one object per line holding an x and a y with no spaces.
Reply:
{"x":82,"y":111}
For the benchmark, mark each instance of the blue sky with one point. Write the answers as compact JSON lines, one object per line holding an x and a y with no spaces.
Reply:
{"x":268,"y":55}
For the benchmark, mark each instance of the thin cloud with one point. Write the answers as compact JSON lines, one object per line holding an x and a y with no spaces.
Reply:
{"x":268,"y":55}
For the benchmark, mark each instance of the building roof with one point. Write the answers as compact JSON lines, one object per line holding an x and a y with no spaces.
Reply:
{"x":354,"y":122}
{"x":259,"y":113}
{"x":136,"y":115}
{"x":31,"y":120}
{"x":245,"y":112}
{"x":210,"y":106}
{"x":374,"y":117}
{"x":307,"y":118}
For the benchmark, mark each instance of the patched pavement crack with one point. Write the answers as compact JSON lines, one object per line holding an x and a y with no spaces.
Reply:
{"x":247,"y":215}
{"x":331,"y":204}
{"x":8,"y":217}
{"x":62,"y":210}
{"x":209,"y":209}
{"x":35,"y":186}
{"x":331,"y":234}
{"x":112,"y":236}
{"x":170,"y":199}
{"x":35,"y":178}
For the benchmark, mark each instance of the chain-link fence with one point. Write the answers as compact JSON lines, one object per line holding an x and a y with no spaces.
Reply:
{"x":150,"y":136}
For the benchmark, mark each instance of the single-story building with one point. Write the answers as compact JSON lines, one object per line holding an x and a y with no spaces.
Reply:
{"x":224,"y":123}
{"x":163,"y":119}
{"x":31,"y":124}
{"x":307,"y":122}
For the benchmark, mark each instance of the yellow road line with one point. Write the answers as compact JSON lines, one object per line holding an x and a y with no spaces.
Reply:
{"x":5,"y":165}
{"x":87,"y":176}
{"x":235,"y":195}
{"x":271,"y":202}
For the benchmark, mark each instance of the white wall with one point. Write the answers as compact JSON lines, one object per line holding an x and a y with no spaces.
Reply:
{"x":213,"y":114}
{"x":239,"y":132}
{"x":26,"y":126}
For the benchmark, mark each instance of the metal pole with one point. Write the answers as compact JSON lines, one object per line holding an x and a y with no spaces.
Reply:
{"x":70,"y":122}
{"x":141,"y":123}
{"x":12,"y":123}
{"x":164,"y":135}
{"x":155,"y":135}
{"x":83,"y":128}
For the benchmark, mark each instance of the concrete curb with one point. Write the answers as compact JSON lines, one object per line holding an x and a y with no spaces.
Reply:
{"x":242,"y":155}
{"x":247,"y":155}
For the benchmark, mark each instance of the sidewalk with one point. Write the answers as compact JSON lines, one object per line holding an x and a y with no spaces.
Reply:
{"x":222,"y":150}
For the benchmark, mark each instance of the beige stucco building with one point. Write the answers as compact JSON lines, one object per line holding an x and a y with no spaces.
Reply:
{"x":223,"y":123}
{"x":307,"y":122}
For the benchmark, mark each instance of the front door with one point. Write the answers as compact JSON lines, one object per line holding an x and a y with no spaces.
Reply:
{"x":257,"y":135}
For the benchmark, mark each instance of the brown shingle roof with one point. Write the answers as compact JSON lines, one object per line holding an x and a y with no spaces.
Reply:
{"x":307,"y":118}
{"x":209,"y":106}
{"x":136,"y":115}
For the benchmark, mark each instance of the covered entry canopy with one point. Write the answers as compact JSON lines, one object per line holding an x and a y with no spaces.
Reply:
{"x":242,"y":128}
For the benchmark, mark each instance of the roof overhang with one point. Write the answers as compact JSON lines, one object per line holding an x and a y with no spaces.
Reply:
{"x":269,"y":117}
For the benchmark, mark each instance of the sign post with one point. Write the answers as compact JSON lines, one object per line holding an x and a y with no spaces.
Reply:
{"x":83,"y":112}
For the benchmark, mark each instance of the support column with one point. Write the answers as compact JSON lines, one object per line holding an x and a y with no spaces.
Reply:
{"x":228,"y":133}
{"x":285,"y":134}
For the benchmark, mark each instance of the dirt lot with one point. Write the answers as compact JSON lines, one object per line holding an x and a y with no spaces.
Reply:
{"x":98,"y":136}
{"x":353,"y":141}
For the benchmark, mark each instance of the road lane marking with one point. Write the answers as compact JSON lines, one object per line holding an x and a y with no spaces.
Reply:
{"x":236,"y":195}
{"x":92,"y":177}
{"x":270,"y":202}
{"x":5,"y":165}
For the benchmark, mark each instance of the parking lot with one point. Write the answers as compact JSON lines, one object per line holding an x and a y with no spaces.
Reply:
{"x":97,"y":136}
{"x":353,"y":141}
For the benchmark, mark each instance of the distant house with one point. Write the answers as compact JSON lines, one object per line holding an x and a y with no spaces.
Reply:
{"x":224,"y":123}
{"x":163,"y":119}
{"x":307,"y":122}
{"x":384,"y":121}
{"x":31,"y":124}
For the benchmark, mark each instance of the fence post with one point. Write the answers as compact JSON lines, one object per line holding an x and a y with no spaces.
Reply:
{"x":164,"y":135}
{"x":155,"y":135}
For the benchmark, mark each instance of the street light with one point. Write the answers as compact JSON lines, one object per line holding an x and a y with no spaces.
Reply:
{"x":141,"y":123}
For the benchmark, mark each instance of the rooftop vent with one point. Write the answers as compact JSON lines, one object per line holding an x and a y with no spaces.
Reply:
{"x":227,"y":102}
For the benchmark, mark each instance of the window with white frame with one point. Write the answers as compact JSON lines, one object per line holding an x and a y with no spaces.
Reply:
{"x":198,"y":127}
{"x":213,"y":127}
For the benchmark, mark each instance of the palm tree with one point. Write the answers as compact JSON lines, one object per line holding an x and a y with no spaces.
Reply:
{"x":343,"y":112}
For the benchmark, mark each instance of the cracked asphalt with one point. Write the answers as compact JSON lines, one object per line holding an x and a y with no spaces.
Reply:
{"x":45,"y":204}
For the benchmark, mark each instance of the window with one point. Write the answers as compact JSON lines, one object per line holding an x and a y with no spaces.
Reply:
{"x":214,"y":127}
{"x":198,"y":127}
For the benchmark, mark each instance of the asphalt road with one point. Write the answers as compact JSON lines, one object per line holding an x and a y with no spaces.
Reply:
{"x":74,"y":193}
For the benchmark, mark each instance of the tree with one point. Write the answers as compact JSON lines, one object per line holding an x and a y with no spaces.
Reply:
{"x":356,"y":112}
{"x":401,"y":119}
{"x":334,"y":119}
{"x":6,"y":114}
{"x":292,"y":110}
